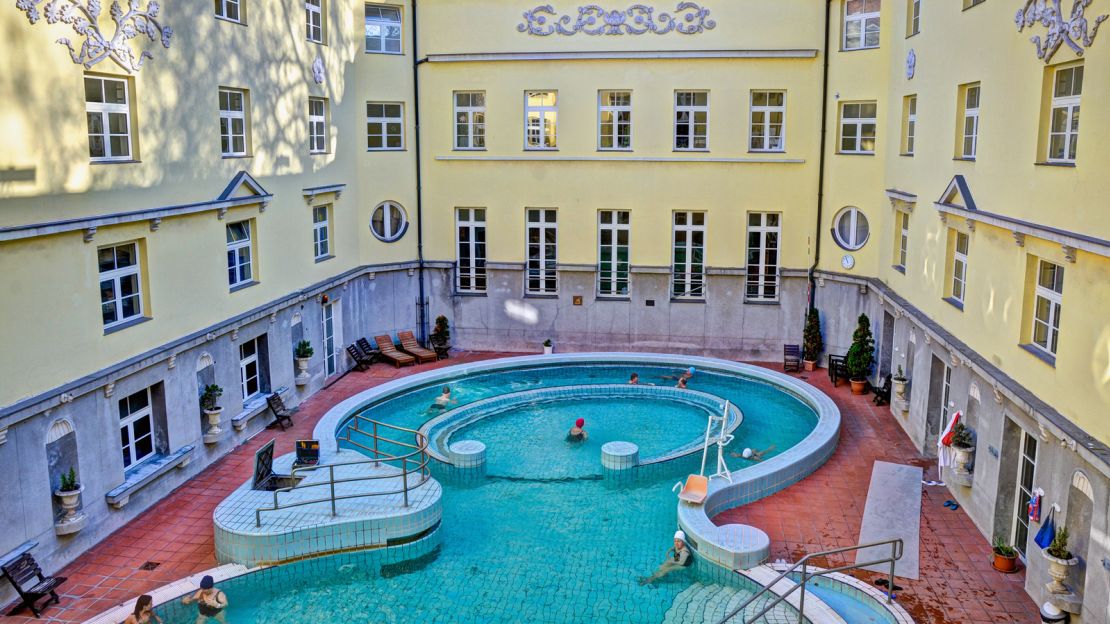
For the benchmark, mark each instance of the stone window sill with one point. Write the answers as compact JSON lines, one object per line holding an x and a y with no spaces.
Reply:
{"x":955,"y":303}
{"x":616,"y":298}
{"x":124,"y":325}
{"x":1045,"y":163}
{"x":239,"y":287}
{"x":146,"y":473}
{"x":685,"y":300}
{"x":541,"y":296}
{"x":324,"y":258}
{"x":897,"y":267}
{"x":763,"y":302}
{"x":470,"y":294}
{"x":1040,"y":354}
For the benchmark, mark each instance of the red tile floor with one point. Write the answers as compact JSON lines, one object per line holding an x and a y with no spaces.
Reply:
{"x":957,"y":585}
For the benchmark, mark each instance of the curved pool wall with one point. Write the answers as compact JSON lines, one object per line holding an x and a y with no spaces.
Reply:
{"x":732,"y":546}
{"x":440,"y":429}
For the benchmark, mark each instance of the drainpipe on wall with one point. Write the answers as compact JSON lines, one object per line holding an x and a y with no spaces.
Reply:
{"x":821,"y":158}
{"x":422,"y":301}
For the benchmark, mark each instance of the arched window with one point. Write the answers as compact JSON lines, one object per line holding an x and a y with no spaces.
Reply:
{"x":850,"y":228}
{"x":389,"y":222}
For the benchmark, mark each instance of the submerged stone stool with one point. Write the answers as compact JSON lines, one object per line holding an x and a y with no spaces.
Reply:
{"x":620,"y":455}
{"x":467,"y":454}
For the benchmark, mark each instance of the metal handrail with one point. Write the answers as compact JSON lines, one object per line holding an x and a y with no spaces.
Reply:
{"x":896,"y":551}
{"x":421,"y":450}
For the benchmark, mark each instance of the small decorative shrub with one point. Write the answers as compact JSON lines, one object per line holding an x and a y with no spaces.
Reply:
{"x":861,"y":355}
{"x":441,"y":333}
{"x":899,"y":375}
{"x":961,"y":436}
{"x":1002,"y":549}
{"x":547,"y":343}
{"x":812,"y":343}
{"x":68,"y":482}
{"x":1059,"y":546}
{"x":210,"y":398}
{"x":303,"y":349}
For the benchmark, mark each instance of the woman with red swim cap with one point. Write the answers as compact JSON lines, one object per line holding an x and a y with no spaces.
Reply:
{"x":577,"y":433}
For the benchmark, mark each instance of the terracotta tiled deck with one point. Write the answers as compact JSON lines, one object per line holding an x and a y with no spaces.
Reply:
{"x":957,"y":584}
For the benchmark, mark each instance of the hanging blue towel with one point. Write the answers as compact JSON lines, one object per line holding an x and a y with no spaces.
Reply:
{"x":1048,"y":531}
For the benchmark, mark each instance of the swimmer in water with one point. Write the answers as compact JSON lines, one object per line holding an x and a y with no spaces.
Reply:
{"x":634,"y":379}
{"x":681,"y":383}
{"x":577,"y":433}
{"x":443,"y":400}
{"x":755,"y":456}
{"x":677,"y":557}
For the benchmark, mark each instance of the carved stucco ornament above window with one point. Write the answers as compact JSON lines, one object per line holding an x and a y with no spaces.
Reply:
{"x":1075,"y":30}
{"x":911,"y":64}
{"x":688,"y":18}
{"x":318,"y":70}
{"x":131,"y":21}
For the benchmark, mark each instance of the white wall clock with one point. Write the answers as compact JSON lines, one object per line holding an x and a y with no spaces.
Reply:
{"x":848,"y":262}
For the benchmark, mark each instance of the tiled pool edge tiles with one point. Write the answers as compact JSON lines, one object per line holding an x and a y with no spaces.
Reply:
{"x":440,"y":429}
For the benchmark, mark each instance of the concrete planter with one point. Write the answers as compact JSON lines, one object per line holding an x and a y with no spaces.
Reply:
{"x":1058,"y":569}
{"x":964,"y":454}
{"x":899,"y":388}
{"x":72,"y":520}
{"x":69,"y":500}
{"x":302,"y":377}
{"x":548,"y":349}
{"x":213,"y":433}
{"x":859,"y":386}
{"x":809,"y":365}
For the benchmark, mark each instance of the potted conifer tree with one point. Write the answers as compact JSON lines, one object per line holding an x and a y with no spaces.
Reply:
{"x":899,"y":380}
{"x":964,"y":445}
{"x":301,"y":354}
{"x":548,"y":347}
{"x":1060,"y":560}
{"x":68,"y":492}
{"x":861,"y":355}
{"x":812,"y":343}
{"x":441,"y":336}
{"x":209,"y":404}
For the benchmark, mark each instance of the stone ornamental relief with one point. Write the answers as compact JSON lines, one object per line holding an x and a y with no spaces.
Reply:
{"x":688,"y":18}
{"x":1074,"y":30}
{"x":130,"y":18}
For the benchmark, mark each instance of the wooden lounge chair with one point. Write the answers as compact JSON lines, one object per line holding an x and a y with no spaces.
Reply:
{"x":27,"y":578}
{"x":695,"y":490}
{"x":838,"y":368}
{"x":389,"y":351}
{"x":282,"y":415}
{"x":368,"y":349}
{"x":791,"y":357}
{"x":359,"y":357}
{"x":412,"y":347}
{"x":882,"y":395}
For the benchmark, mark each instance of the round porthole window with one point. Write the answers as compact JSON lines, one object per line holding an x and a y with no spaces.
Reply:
{"x":850,"y":228}
{"x":389,"y":222}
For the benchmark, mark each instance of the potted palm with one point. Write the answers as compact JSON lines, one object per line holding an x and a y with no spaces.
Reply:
{"x":1005,"y":557}
{"x":301,"y":354}
{"x":861,"y":355}
{"x":548,"y":347}
{"x":812,"y":343}
{"x":1060,"y":560}
{"x":964,"y":444}
{"x":209,"y":404}
{"x":441,"y":335}
{"x":899,"y":380}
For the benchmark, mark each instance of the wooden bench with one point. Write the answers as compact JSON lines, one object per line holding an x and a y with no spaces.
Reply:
{"x":26,"y":576}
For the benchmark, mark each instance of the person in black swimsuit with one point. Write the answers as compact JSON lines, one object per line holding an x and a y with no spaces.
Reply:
{"x":211,"y":602}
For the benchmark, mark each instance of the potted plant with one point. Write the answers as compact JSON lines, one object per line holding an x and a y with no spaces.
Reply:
{"x":861,"y":355}
{"x":899,"y":380}
{"x":964,"y":444}
{"x":1005,"y":557}
{"x":441,"y":336}
{"x":68,"y":492}
{"x":1059,"y":560}
{"x":547,"y":347}
{"x":301,"y":354}
{"x":209,"y":404}
{"x":812,"y":343}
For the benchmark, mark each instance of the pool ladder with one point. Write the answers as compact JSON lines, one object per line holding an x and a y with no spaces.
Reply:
{"x":801,"y":567}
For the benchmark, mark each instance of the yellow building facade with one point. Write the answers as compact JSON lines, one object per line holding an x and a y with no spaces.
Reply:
{"x":688,"y":178}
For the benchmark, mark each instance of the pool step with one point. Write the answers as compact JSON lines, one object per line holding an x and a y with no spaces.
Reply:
{"x":702,"y":604}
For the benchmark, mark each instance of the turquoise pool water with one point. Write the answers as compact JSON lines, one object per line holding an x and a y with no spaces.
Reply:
{"x":544,"y":535}
{"x":854,"y":610}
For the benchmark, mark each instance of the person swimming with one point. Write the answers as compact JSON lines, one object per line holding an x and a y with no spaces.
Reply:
{"x":681,"y":383}
{"x":577,"y":433}
{"x":443,"y":400}
{"x":755,"y":456}
{"x":211,"y":602}
{"x":634,"y":379}
{"x":677,"y":557}
{"x":686,"y":375}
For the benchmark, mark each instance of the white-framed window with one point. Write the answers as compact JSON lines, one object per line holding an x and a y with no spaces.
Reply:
{"x":959,"y":266}
{"x":239,"y":253}
{"x":470,"y":120}
{"x":946,"y":397}
{"x":233,"y":122}
{"x":768,"y":127}
{"x":330,"y":338}
{"x":691,"y":120}
{"x":614,"y":120}
{"x":913,"y":23}
{"x":861,"y":24}
{"x":902,"y":221}
{"x":613,"y":231}
{"x":762,"y":270}
{"x":121,"y":296}
{"x":1063,"y":130}
{"x":857,"y":128}
{"x":389,"y":222}
{"x":136,"y":427}
{"x":321,"y":232}
{"x":314,"y":20}
{"x":317,"y":125}
{"x":108,"y":111}
{"x":228,"y":10}
{"x":383,"y":29}
{"x":1027,"y":469}
{"x":1048,"y":300}
{"x":542,"y":252}
{"x":970,"y":143}
{"x":911,"y":125}
{"x":250,"y":376}
{"x":541,"y":112}
{"x":688,"y":257}
{"x":385,"y":126}
{"x":850,"y":228}
{"x":470,"y":228}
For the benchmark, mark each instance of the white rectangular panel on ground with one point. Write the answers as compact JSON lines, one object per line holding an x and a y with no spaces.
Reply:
{"x":893,"y":510}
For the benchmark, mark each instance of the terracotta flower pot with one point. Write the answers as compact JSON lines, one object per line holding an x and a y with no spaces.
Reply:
{"x":809,"y":365}
{"x":859,"y":386}
{"x":1002,"y":563}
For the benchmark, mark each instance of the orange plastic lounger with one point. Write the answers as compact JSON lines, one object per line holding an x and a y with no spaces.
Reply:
{"x":390,"y":352}
{"x":412,"y":347}
{"x":695,"y":490}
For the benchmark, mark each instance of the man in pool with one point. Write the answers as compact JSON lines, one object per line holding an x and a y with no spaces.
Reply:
{"x":577,"y":433}
{"x":755,"y":456}
{"x":211,"y":602}
{"x":685,"y":376}
{"x":681,"y":383}
{"x":677,"y":557}
{"x":443,"y":400}
{"x":634,"y":379}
